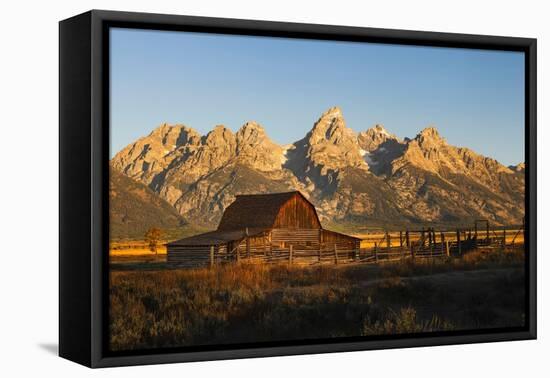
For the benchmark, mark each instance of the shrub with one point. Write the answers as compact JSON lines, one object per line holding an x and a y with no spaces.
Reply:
{"x":404,"y":321}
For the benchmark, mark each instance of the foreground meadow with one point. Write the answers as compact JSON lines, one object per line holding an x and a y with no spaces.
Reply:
{"x":256,"y":303}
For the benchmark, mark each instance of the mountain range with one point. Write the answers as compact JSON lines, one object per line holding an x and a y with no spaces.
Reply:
{"x":370,"y":178}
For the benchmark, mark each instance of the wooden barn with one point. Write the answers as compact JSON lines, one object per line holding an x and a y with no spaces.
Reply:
{"x":279,"y":227}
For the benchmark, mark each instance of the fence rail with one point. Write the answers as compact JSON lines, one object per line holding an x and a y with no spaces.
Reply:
{"x":424,"y":244}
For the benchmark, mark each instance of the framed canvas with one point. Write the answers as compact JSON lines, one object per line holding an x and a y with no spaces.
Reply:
{"x":236,"y":188}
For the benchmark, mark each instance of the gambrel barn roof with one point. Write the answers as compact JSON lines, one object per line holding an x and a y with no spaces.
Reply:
{"x":260,"y":210}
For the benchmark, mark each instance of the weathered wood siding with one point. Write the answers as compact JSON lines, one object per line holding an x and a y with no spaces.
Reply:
{"x":188,"y":257}
{"x":330,"y":238}
{"x":198,"y":256}
{"x":253,"y":246}
{"x":297,"y":213}
{"x":283,"y":237}
{"x":305,"y":244}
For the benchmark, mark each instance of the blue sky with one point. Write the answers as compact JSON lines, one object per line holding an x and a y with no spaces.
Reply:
{"x":474,"y":97}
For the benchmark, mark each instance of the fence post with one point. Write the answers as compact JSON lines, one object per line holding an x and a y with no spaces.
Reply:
{"x":211,"y":256}
{"x":376,"y":252}
{"x":335,"y":254}
{"x":401,"y":245}
{"x":429,"y":237}
{"x":431,"y":245}
{"x":388,"y":245}
{"x":408,"y":242}
{"x":290,"y":254}
{"x":504,"y":239}
{"x":458,"y":241}
{"x":444,"y":244}
{"x":447,"y":250}
{"x":475,"y":235}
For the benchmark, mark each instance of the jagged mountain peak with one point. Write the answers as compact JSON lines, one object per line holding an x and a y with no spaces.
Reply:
{"x":430,"y":137}
{"x":252,"y":133}
{"x":180,"y":133}
{"x":372,"y":138}
{"x":430,"y":152}
{"x":252,"y":125}
{"x":332,"y":112}
{"x":165,"y":127}
{"x":329,"y":147}
{"x":256,"y":149}
{"x":518,"y":168}
{"x":220,"y":129}
{"x":331,"y":116}
{"x":219,"y":135}
{"x":430,"y":131}
{"x":331,"y":127}
{"x":379,"y":128}
{"x":151,"y":154}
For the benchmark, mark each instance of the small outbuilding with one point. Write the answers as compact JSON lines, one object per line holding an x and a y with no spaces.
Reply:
{"x":265,"y":228}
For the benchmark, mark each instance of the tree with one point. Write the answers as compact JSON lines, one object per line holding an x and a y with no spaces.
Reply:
{"x":152,"y":236}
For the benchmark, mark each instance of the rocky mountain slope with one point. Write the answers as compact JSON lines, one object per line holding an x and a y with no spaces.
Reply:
{"x":134,"y":208}
{"x":369,"y":178}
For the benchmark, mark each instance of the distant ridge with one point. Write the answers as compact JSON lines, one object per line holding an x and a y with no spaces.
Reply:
{"x":134,"y":209}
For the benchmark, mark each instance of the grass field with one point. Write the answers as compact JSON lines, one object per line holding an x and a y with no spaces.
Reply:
{"x":134,"y":248}
{"x":154,"y":307}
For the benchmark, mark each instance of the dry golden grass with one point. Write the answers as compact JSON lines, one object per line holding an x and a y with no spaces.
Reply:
{"x":134,"y":248}
{"x":137,"y":252}
{"x":255,"y":303}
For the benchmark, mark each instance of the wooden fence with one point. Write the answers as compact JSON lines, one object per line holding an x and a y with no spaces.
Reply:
{"x":392,"y":246}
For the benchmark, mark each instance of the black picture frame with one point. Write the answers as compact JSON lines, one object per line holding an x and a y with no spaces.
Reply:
{"x":83,"y":181}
